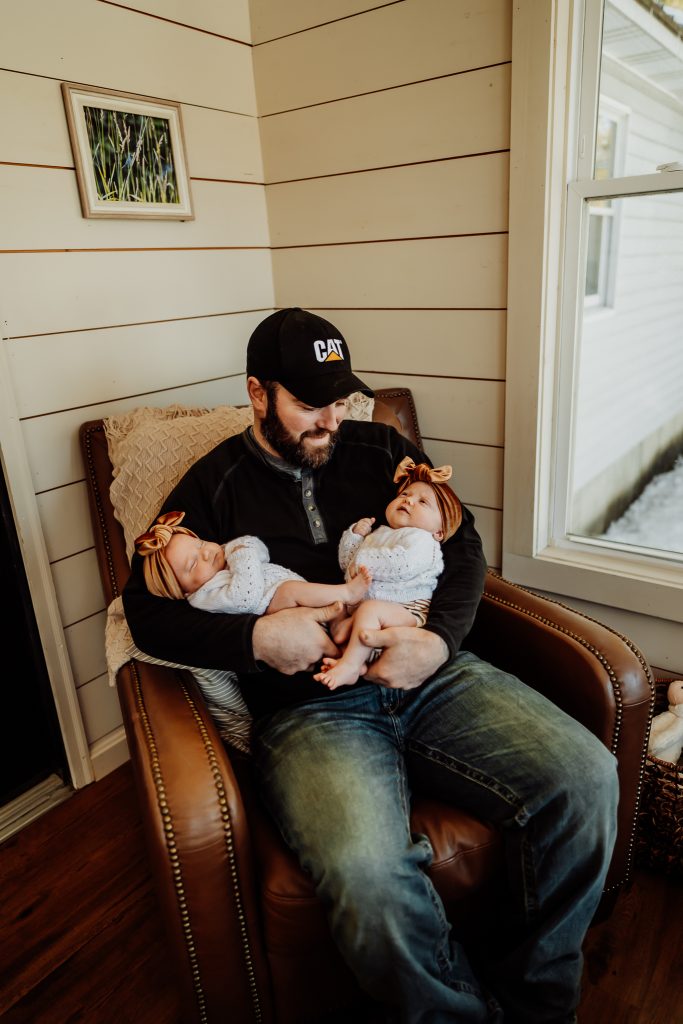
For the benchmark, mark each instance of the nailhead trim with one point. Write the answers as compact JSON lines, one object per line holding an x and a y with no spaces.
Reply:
{"x":95,"y":491}
{"x":615,"y":688}
{"x":171,"y":846}
{"x":230,"y":848}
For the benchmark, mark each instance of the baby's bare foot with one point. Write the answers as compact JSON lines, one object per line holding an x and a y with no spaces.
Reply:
{"x":336,"y":672}
{"x":359,"y":585}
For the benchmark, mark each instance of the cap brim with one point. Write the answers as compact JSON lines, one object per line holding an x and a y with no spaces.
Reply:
{"x":326,"y":388}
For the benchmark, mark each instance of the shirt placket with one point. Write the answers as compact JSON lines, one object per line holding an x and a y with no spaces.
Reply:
{"x":310,"y":503}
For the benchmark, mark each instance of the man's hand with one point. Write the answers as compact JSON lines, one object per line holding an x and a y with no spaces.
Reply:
{"x":409,"y":656}
{"x":294,"y":640}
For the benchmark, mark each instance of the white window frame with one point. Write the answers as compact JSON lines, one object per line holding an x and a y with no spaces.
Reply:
{"x":547,"y":52}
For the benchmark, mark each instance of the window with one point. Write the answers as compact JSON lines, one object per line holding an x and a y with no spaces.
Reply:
{"x":595,"y":318}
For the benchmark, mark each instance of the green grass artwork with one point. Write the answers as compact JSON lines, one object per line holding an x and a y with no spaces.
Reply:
{"x":132,"y":157}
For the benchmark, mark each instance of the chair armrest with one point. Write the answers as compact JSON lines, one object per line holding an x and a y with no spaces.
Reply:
{"x":597,"y":676}
{"x":199,"y":845}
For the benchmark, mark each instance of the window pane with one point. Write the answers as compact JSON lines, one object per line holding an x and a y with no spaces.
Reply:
{"x":641,"y":74}
{"x":629,"y":398}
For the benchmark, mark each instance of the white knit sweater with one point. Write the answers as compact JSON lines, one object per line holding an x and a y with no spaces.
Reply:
{"x":405,"y":563}
{"x":247,"y":584}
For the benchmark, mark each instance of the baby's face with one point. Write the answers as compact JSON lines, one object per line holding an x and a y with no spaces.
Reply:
{"x":416,"y":506}
{"x":193,"y":561}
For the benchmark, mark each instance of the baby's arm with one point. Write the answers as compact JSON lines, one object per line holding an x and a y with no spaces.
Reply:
{"x":405,"y":555}
{"x":252,"y":546}
{"x":237,"y":589}
{"x":352,"y":539}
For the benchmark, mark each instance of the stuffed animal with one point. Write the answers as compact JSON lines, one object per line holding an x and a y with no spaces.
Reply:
{"x":666,"y":735}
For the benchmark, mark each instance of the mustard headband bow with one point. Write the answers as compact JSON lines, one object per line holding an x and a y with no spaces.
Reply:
{"x":408,"y":470}
{"x":158,"y":536}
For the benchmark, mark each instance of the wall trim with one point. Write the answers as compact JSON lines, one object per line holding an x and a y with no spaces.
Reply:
{"x":109,"y":753}
{"x":40,"y":582}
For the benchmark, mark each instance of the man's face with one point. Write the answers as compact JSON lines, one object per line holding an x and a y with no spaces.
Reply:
{"x":302,"y":435}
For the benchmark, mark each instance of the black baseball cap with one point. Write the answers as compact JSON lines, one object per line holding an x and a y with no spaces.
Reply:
{"x":306,"y":355}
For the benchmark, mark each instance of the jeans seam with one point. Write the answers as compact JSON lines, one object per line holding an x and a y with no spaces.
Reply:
{"x":467,"y":772}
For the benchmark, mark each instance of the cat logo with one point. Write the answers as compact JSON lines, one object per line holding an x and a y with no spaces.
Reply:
{"x":328,"y":351}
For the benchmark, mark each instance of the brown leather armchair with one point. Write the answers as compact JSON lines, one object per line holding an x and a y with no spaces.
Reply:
{"x":248,"y":936}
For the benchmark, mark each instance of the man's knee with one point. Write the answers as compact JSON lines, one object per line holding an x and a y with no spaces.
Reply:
{"x":588,"y":783}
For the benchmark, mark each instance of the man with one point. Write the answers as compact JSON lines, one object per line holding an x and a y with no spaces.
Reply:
{"x":336,"y":767}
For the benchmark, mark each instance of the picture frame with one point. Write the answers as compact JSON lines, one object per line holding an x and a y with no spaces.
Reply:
{"x":129,"y":153}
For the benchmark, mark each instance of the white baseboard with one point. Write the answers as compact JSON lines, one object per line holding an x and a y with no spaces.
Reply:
{"x":31,"y":805}
{"x":109,"y":752}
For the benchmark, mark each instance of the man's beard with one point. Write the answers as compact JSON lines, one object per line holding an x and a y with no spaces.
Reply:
{"x":287,"y":445}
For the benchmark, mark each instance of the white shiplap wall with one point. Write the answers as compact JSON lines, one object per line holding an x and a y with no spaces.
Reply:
{"x":379,"y":176}
{"x":385,"y":133}
{"x":104,"y":316}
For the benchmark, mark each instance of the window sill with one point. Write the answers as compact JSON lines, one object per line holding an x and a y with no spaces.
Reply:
{"x":639,"y":584}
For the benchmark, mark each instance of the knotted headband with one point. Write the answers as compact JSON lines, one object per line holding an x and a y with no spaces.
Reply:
{"x":159,"y":575}
{"x":408,"y":472}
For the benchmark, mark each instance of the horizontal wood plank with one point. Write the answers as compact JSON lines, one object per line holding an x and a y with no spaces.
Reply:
{"x":78,"y":587}
{"x":52,"y":441}
{"x":222,"y":145}
{"x":192,"y":67}
{"x":99,"y":704}
{"x":34,"y":123}
{"x":477,"y":470}
{"x":83,"y":290}
{"x":455,"y":116}
{"x":111,"y":364}
{"x":469,"y":411}
{"x":441,"y":342}
{"x":271,"y":18}
{"x":452,"y":197}
{"x":40,"y":209}
{"x":65,"y":520}
{"x":489,"y":524}
{"x":85,"y":644}
{"x":468,"y":273}
{"x":428,"y":38}
{"x":225,"y":19}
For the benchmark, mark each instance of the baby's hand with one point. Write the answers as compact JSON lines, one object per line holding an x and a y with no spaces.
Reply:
{"x":364,"y":526}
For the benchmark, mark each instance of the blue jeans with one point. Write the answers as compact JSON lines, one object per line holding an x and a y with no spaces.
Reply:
{"x":337,"y":773}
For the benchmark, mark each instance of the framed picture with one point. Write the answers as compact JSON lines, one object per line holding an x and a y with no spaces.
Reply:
{"x":129,"y":153}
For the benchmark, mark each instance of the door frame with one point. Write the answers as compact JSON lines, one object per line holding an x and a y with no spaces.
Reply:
{"x":22,"y":497}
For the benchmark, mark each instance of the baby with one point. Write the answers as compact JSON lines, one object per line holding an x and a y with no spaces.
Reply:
{"x":403,"y":560}
{"x":236,"y":577}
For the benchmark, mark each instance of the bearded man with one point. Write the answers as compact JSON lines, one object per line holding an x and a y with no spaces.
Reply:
{"x":336,"y":767}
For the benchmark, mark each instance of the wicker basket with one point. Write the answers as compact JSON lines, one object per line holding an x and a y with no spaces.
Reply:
{"x":659,"y":842}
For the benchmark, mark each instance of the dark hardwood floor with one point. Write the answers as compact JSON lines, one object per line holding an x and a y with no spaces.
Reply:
{"x":81,"y":939}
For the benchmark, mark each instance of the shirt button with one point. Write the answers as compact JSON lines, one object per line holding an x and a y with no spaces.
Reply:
{"x":311,"y":508}
{"x":307,"y":493}
{"x":316,"y":522}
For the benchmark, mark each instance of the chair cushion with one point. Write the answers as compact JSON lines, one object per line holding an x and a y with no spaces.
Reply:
{"x":467,"y":854}
{"x":150,"y":450}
